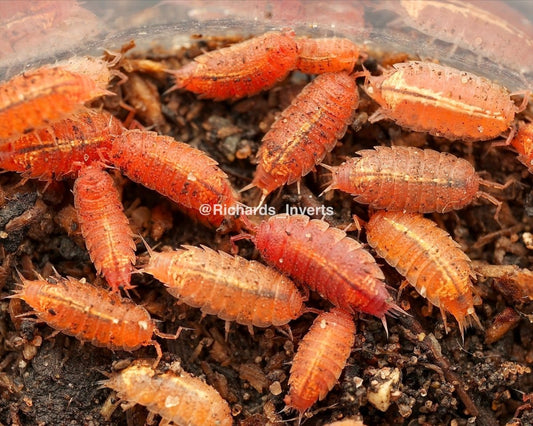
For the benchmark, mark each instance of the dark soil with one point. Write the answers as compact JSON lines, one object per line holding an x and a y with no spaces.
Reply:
{"x":54,"y":380}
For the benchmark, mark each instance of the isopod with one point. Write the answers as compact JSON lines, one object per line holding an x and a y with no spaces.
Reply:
{"x":90,"y":314}
{"x":320,"y":359}
{"x":186,"y":175}
{"x":483,"y":28}
{"x":243,"y":69}
{"x":321,"y":55}
{"x":444,"y":101}
{"x":523,"y":143}
{"x":306,"y":131}
{"x":38,"y":97}
{"x":58,"y":151}
{"x":325,"y":260}
{"x":179,"y":398}
{"x":428,"y":258}
{"x":104,"y":226}
{"x":230,"y":287}
{"x":409,"y":179}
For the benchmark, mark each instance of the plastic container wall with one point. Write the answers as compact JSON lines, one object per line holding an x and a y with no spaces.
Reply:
{"x":489,"y":38}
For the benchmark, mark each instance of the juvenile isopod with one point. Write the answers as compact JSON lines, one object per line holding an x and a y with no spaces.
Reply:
{"x":90,"y":314}
{"x":306,"y":131}
{"x":243,"y":69}
{"x":58,"y":151}
{"x":409,"y":179}
{"x":38,"y":97}
{"x":429,"y":259}
{"x":320,"y":359}
{"x":321,"y":55}
{"x":186,"y":175}
{"x":523,"y":143}
{"x":444,"y":101}
{"x":325,"y":260}
{"x":230,"y":287}
{"x":104,"y":226}
{"x":179,"y":398}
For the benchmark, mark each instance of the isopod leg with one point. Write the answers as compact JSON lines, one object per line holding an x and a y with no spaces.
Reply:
{"x":494,"y":201}
{"x":404,"y":284}
{"x":157,"y":347}
{"x":169,"y":336}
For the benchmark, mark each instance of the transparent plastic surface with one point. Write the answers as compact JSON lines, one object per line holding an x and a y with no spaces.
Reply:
{"x":490,"y":38}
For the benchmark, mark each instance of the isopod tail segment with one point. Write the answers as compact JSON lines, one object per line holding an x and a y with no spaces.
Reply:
{"x":329,"y":187}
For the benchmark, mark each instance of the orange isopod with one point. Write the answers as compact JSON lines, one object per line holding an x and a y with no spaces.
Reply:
{"x":58,"y":151}
{"x":38,"y":97}
{"x":180,"y":172}
{"x":444,"y":101}
{"x":523,"y":143}
{"x":230,"y":287}
{"x":104,"y":226}
{"x":428,"y":258}
{"x":409,"y":179}
{"x":243,"y":69}
{"x":325,"y":260}
{"x":90,"y":314}
{"x":320,"y":359}
{"x":179,"y":398}
{"x":321,"y":55}
{"x":306,"y":131}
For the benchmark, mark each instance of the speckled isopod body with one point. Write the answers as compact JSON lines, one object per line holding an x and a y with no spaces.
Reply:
{"x":325,"y":260}
{"x":428,"y":258}
{"x":38,"y":97}
{"x":243,"y":69}
{"x":523,"y":143}
{"x":485,"y":28}
{"x":306,"y":131}
{"x":104,"y":226}
{"x":179,"y":398}
{"x":176,"y":170}
{"x":230,"y":287}
{"x":321,"y":55}
{"x":407,"y":179}
{"x":58,"y":151}
{"x":444,"y":101}
{"x":320,"y":359}
{"x":90,"y":314}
